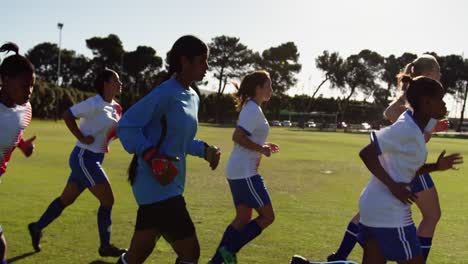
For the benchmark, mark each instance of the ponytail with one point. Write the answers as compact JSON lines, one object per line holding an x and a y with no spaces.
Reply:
{"x":419,"y":66}
{"x":132,"y":168}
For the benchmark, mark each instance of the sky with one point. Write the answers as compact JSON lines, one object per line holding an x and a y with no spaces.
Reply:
{"x":345,"y":26}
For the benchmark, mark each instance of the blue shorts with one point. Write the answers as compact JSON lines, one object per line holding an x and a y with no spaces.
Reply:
{"x":86,"y":169}
{"x":250,"y":191}
{"x":396,"y":244}
{"x":421,"y":183}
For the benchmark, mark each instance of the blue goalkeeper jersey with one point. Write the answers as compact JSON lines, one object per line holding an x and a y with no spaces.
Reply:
{"x":140,"y":128}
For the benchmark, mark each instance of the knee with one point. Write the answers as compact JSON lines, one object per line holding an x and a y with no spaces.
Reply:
{"x":107,"y":202}
{"x":189,"y":257}
{"x":269,"y":218}
{"x":242,"y":220}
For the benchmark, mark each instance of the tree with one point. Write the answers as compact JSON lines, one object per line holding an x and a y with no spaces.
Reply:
{"x":331,"y":65}
{"x":107,"y":51}
{"x":229,"y":59}
{"x":392,"y":66}
{"x":455,"y":79}
{"x":142,"y":66}
{"x":360,"y":73}
{"x":282,"y":64}
{"x":74,"y":68}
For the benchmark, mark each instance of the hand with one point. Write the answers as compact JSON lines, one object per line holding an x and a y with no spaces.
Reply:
{"x":87,"y":140}
{"x":27,"y":146}
{"x":274,"y":148}
{"x":163,"y":170}
{"x":212,"y":155}
{"x":448,"y":162}
{"x":401,"y":192}
{"x":266,"y":150}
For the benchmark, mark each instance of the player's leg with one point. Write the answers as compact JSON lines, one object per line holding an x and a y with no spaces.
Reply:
{"x":103,"y":192}
{"x":71,"y":191}
{"x":142,"y":244}
{"x":348,"y":242}
{"x":3,"y":247}
{"x":428,"y":204}
{"x":372,"y":253}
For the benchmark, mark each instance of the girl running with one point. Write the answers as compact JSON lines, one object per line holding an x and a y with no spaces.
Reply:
{"x":17,"y":76}
{"x":159,"y":130}
{"x":396,"y":154}
{"x":247,"y":186}
{"x":422,"y":185}
{"x":98,"y":118}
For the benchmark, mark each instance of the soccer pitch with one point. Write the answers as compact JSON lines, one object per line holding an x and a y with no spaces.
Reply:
{"x":314,"y":182}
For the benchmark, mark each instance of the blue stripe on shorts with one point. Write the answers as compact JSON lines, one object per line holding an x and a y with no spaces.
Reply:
{"x":396,"y":244}
{"x":251,"y":192}
{"x":421,"y":183}
{"x":86,"y":169}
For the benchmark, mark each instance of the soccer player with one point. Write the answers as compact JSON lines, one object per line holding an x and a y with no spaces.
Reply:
{"x":247,"y":186}
{"x":160,"y":131}
{"x":395,"y":155}
{"x":422,"y":185}
{"x":98,"y":119}
{"x":17,"y":76}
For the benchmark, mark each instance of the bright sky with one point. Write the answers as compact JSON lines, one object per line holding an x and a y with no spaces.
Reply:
{"x":388,"y":27}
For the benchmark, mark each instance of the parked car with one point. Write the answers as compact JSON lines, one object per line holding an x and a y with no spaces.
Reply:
{"x":342,"y":125}
{"x":275,"y":123}
{"x":286,"y":123}
{"x":366,"y":126}
{"x":311,"y":123}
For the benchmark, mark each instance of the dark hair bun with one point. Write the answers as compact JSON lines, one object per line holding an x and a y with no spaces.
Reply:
{"x":9,"y":46}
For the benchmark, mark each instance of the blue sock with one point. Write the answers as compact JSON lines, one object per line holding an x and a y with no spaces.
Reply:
{"x":349,"y":241}
{"x":229,"y":234}
{"x":4,"y":262}
{"x":426,"y":243}
{"x":247,"y":234}
{"x":104,"y":225}
{"x":53,"y":211}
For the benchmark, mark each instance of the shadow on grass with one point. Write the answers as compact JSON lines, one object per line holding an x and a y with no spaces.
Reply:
{"x":101,"y":262}
{"x":20,"y":257}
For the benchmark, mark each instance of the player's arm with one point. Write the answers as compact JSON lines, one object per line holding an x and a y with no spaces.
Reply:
{"x":70,"y":121}
{"x":395,"y":109}
{"x":240,"y":137}
{"x":26,"y":146}
{"x":369,"y":155}
{"x":443,"y":163}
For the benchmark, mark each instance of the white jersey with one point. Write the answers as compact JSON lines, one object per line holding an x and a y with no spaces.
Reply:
{"x":13,"y":121}
{"x":98,"y":118}
{"x":243,"y":163}
{"x":402,"y":152}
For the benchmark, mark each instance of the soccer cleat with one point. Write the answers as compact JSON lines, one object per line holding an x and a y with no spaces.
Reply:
{"x":122,"y":259}
{"x":111,"y":251}
{"x":35,"y":236}
{"x":297,"y":259}
{"x":228,"y":256}
{"x":334,"y":257}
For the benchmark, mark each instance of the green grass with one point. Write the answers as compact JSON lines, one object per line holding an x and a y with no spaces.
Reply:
{"x":312,"y":206}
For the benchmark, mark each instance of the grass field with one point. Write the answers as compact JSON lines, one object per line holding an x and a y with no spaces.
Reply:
{"x":314,"y":181}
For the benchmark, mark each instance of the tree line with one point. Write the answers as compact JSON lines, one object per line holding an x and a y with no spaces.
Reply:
{"x":366,"y":72}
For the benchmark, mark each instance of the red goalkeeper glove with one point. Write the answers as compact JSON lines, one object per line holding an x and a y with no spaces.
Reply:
{"x":161,"y":165}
